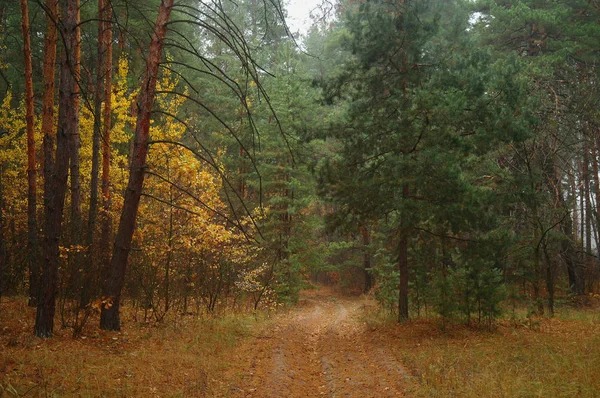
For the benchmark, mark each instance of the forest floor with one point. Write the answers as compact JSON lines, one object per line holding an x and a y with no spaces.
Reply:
{"x":328,"y":345}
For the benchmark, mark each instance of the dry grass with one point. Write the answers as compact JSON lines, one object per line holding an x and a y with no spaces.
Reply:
{"x":190,"y":356}
{"x":557,"y":357}
{"x":182,"y":357}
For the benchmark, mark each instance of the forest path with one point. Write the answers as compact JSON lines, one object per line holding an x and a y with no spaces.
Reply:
{"x":320,"y":348}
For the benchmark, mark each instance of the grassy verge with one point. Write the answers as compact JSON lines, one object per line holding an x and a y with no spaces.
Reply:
{"x":558,"y":357}
{"x":182,"y":357}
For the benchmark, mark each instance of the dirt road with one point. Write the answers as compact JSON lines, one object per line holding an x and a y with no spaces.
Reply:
{"x":321,"y":348}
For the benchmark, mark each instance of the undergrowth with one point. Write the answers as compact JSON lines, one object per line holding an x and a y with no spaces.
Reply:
{"x":183,"y":356}
{"x":541,"y":357}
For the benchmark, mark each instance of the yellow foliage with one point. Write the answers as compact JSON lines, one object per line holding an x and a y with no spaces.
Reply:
{"x":179,"y":214}
{"x":121,"y":134}
{"x":13,"y":158}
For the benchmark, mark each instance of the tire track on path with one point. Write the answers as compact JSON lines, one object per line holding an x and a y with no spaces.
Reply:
{"x":320,"y":348}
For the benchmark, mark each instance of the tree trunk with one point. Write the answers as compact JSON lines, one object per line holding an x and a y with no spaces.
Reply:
{"x":48,"y":132}
{"x":89,"y":264}
{"x":366,"y":241}
{"x":569,"y":253}
{"x":581,"y":197}
{"x":47,"y":277}
{"x":110,"y":315}
{"x":3,"y":251}
{"x":549,"y":279}
{"x":594,"y":145}
{"x":403,"y":268}
{"x":575,"y":226}
{"x":586,"y":192}
{"x":403,"y":286}
{"x":169,"y":251}
{"x":67,"y":119}
{"x":107,"y":115}
{"x":33,"y":257}
{"x":75,"y":141}
{"x":48,"y":96}
{"x":568,"y":246}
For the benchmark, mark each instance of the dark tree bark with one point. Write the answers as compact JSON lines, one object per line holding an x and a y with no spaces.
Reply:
{"x":45,"y":311}
{"x":90,"y":263}
{"x":569,"y":254}
{"x":107,"y":115}
{"x":48,"y":111}
{"x":573,"y":187}
{"x":594,"y":146}
{"x":403,"y":286}
{"x":110,"y":319}
{"x":366,"y":241}
{"x":403,"y":267}
{"x":3,"y":251}
{"x":550,"y":272}
{"x":48,"y":96}
{"x":586,"y":192}
{"x":44,"y":322}
{"x":169,"y":258}
{"x":570,"y":227}
{"x":33,"y":248}
{"x":75,"y":145}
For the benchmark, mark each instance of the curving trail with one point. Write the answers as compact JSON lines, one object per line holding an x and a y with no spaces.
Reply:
{"x":320,"y":348}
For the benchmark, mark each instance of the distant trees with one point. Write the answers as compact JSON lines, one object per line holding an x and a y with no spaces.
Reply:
{"x":555,"y":164}
{"x":434,"y":90}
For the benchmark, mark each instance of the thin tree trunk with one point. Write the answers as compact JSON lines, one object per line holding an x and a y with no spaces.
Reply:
{"x":559,"y":206}
{"x":586,"y":192}
{"x":90,"y":262}
{"x":48,"y":96}
{"x":403,"y":286}
{"x":569,"y":246}
{"x":573,"y":187}
{"x":574,"y":269}
{"x":44,"y":322}
{"x":110,"y":319}
{"x":538,"y":238}
{"x":33,"y":249}
{"x":76,"y":141}
{"x":580,"y":185}
{"x":549,"y":279}
{"x":3,"y":251}
{"x":594,"y":221}
{"x":106,"y":200}
{"x":76,"y":259}
{"x":169,"y":251}
{"x":403,"y":268}
{"x":366,"y":241}
{"x":594,"y":145}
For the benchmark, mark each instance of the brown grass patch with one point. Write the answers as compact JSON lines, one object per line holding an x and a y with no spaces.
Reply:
{"x":193,"y":356}
{"x":557,"y":357}
{"x":181,"y":357}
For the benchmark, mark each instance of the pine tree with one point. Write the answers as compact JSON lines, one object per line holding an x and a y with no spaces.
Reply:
{"x":422,"y":112}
